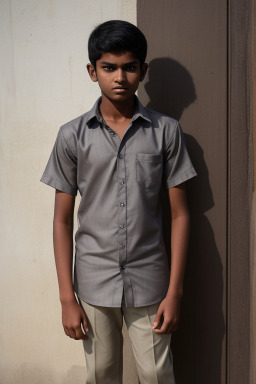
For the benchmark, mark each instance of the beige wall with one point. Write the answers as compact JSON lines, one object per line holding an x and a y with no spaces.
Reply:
{"x":44,"y":84}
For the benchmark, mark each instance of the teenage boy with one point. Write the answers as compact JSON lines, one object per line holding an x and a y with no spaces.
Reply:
{"x":118,"y":155}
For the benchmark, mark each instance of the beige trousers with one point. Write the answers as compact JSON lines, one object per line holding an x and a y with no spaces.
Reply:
{"x":104,"y":346}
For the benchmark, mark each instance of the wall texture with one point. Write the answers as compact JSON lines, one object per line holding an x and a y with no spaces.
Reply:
{"x":187,"y":80}
{"x":253,"y":222}
{"x":201,"y":72}
{"x":44,"y":83}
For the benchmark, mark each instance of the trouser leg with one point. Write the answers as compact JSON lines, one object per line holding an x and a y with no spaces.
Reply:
{"x":104,"y":346}
{"x":152,"y":352}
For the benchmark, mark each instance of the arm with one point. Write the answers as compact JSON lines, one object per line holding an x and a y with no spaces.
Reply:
{"x":169,"y":308}
{"x":72,"y":313}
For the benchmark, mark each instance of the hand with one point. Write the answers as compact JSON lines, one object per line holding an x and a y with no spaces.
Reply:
{"x":168,"y":314}
{"x":74,"y":320}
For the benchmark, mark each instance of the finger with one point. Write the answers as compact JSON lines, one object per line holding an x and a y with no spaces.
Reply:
{"x":72,"y":333}
{"x":84,"y":336}
{"x":80,"y":335}
{"x":164,"y":327}
{"x":84,"y":319}
{"x":66,"y":331}
{"x":157,"y":319}
{"x":159,"y":331}
{"x":85,"y":325}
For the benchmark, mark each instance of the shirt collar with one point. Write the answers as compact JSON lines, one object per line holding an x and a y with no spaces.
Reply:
{"x":140,"y":111}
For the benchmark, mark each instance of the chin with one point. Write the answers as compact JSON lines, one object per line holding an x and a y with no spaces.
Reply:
{"x":120,"y":97}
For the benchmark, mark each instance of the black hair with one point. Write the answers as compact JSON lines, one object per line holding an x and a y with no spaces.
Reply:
{"x":114,"y":36}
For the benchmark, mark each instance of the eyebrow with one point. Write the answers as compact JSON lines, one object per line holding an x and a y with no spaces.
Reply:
{"x":108,"y":63}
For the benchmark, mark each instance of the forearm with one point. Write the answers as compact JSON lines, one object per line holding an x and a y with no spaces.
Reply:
{"x":63,"y":252}
{"x":179,"y":246}
{"x":169,"y":309}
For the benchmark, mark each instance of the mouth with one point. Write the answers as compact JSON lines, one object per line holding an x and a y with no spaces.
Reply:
{"x":120,"y":89}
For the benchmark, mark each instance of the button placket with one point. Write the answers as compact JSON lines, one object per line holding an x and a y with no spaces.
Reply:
{"x":122,"y":219}
{"x":112,"y":133}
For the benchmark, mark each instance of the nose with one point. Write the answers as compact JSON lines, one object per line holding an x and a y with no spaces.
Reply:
{"x":120,"y":76}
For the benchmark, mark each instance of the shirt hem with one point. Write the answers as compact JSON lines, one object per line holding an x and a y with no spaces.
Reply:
{"x":93,"y":302}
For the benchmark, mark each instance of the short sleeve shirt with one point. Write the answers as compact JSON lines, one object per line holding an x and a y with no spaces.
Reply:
{"x":119,"y":246}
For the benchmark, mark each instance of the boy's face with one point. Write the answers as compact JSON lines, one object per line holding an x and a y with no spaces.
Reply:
{"x":118,"y":75}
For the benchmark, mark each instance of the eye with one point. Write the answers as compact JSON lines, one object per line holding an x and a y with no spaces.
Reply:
{"x":130,"y":68}
{"x":108,"y":68}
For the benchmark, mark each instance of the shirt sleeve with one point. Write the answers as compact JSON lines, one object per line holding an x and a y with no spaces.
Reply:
{"x":178,"y":167}
{"x":61,"y":169}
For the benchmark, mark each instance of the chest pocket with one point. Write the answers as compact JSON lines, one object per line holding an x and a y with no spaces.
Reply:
{"x":149,"y":168}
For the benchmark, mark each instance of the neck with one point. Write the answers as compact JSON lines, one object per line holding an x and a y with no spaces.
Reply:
{"x":117,"y":110}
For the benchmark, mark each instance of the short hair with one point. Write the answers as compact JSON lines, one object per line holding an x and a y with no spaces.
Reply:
{"x":116,"y":36}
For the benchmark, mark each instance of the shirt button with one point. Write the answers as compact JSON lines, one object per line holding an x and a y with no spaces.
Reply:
{"x":121,"y":226}
{"x":122,"y":181}
{"x":122,"y":267}
{"x":122,"y":246}
{"x":122,"y":204}
{"x":120,"y":156}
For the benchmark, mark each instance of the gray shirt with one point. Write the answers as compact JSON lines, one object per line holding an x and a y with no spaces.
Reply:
{"x":119,"y":243}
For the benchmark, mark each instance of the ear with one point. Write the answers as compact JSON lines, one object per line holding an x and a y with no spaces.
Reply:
{"x":143,"y":71}
{"x":92,"y":72}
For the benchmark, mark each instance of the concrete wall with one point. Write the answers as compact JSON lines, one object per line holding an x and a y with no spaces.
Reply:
{"x":204,"y":74}
{"x":253,"y":224}
{"x":187,"y":79}
{"x":44,"y":84}
{"x":240,"y":192}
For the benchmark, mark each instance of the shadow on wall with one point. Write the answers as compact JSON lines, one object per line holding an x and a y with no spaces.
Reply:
{"x":170,"y":87}
{"x":197,"y":345}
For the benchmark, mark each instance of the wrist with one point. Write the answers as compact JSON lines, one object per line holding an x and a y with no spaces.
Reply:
{"x":68,"y":299}
{"x":175,"y":293}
